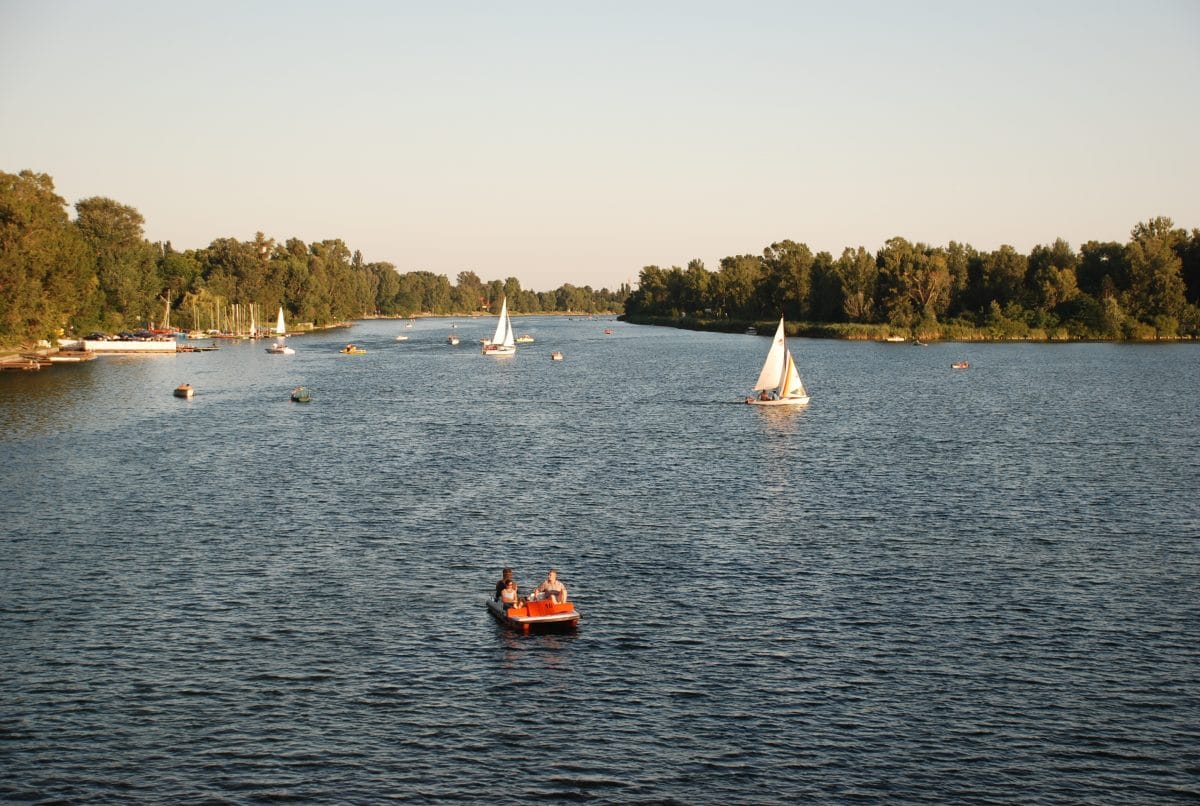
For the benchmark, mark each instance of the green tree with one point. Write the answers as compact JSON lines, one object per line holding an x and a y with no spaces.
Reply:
{"x":738,"y":282}
{"x":469,"y":294}
{"x":787,"y":281}
{"x":125,"y":262}
{"x":1156,"y":287}
{"x":1051,"y":277}
{"x":47,"y":271}
{"x":858,"y":273}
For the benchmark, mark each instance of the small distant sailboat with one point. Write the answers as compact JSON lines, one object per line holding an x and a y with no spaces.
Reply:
{"x":502,"y":342}
{"x":279,"y":348}
{"x":779,"y":382}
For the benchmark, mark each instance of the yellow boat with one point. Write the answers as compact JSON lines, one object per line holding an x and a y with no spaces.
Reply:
{"x":350,"y":349}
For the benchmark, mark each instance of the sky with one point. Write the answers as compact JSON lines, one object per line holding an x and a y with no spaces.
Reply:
{"x":569,"y":142}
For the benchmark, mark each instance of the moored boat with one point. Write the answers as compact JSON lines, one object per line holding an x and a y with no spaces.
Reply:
{"x":301,"y":395}
{"x":556,"y":356}
{"x":540,"y":616}
{"x":350,"y":349}
{"x":185,"y":391}
{"x":960,"y":365}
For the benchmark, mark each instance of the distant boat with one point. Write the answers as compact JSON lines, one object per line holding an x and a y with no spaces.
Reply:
{"x":279,"y":348}
{"x":895,"y":338}
{"x":350,"y":349}
{"x":452,"y":340}
{"x":752,"y":331}
{"x":402,"y":337}
{"x":607,"y":331}
{"x":185,"y":391}
{"x":301,"y":395}
{"x":408,"y":325}
{"x":556,"y":356}
{"x":960,"y":365}
{"x":502,"y":342}
{"x":779,"y":383}
{"x":525,"y":338}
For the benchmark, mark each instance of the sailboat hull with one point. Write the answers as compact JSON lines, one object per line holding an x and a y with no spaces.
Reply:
{"x":785,"y":401}
{"x":498,"y":350}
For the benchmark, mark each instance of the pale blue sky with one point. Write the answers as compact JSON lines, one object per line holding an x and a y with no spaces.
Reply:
{"x":567,"y":142}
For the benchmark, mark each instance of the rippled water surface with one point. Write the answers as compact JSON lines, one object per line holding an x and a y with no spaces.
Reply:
{"x":977,"y":586}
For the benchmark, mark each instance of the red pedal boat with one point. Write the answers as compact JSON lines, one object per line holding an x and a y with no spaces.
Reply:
{"x":538,"y":616}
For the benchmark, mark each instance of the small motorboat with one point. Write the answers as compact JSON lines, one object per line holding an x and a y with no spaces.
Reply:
{"x":185,"y":391}
{"x":350,"y":349}
{"x":301,"y":395}
{"x":452,"y":340}
{"x":960,"y":365}
{"x":543,"y":615}
{"x":556,"y":356}
{"x":402,"y":337}
{"x":608,"y":331}
{"x":279,"y":348}
{"x":524,"y":338}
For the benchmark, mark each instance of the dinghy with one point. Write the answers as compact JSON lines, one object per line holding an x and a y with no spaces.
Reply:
{"x":779,"y":383}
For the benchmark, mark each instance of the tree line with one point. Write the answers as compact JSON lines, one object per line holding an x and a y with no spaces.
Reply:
{"x":97,"y":271}
{"x":1146,"y":288}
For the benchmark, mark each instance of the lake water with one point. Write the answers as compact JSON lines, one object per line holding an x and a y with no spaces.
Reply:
{"x":974,"y":586}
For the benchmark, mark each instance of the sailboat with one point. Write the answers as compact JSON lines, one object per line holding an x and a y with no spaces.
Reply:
{"x":279,"y":348}
{"x":779,"y":383}
{"x":502,"y":342}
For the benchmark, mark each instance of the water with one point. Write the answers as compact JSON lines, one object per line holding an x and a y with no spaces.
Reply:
{"x":976,"y":586}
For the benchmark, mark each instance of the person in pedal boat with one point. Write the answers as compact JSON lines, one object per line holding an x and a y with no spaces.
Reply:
{"x":506,"y":576}
{"x":508,"y":594}
{"x":551,"y":588}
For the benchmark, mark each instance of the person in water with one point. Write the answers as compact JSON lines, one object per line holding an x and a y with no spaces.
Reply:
{"x":550,"y":588}
{"x":506,"y":576}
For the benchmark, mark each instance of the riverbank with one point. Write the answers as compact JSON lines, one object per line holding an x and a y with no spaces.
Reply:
{"x":852,"y":331}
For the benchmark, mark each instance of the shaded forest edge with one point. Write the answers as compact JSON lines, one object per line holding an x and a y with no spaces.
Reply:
{"x":98,"y":272}
{"x":1146,"y":289}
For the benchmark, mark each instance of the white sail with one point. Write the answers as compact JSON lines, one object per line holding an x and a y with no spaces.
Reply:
{"x":498,"y":336}
{"x":280,"y":329}
{"x":504,"y":332}
{"x":774,"y":368}
{"x":790,"y":384}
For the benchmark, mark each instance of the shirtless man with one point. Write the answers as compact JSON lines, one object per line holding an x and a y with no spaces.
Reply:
{"x":551,"y":588}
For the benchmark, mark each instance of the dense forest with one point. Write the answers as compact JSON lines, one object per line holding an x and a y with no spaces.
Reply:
{"x":99,"y":272}
{"x":1148,"y":288}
